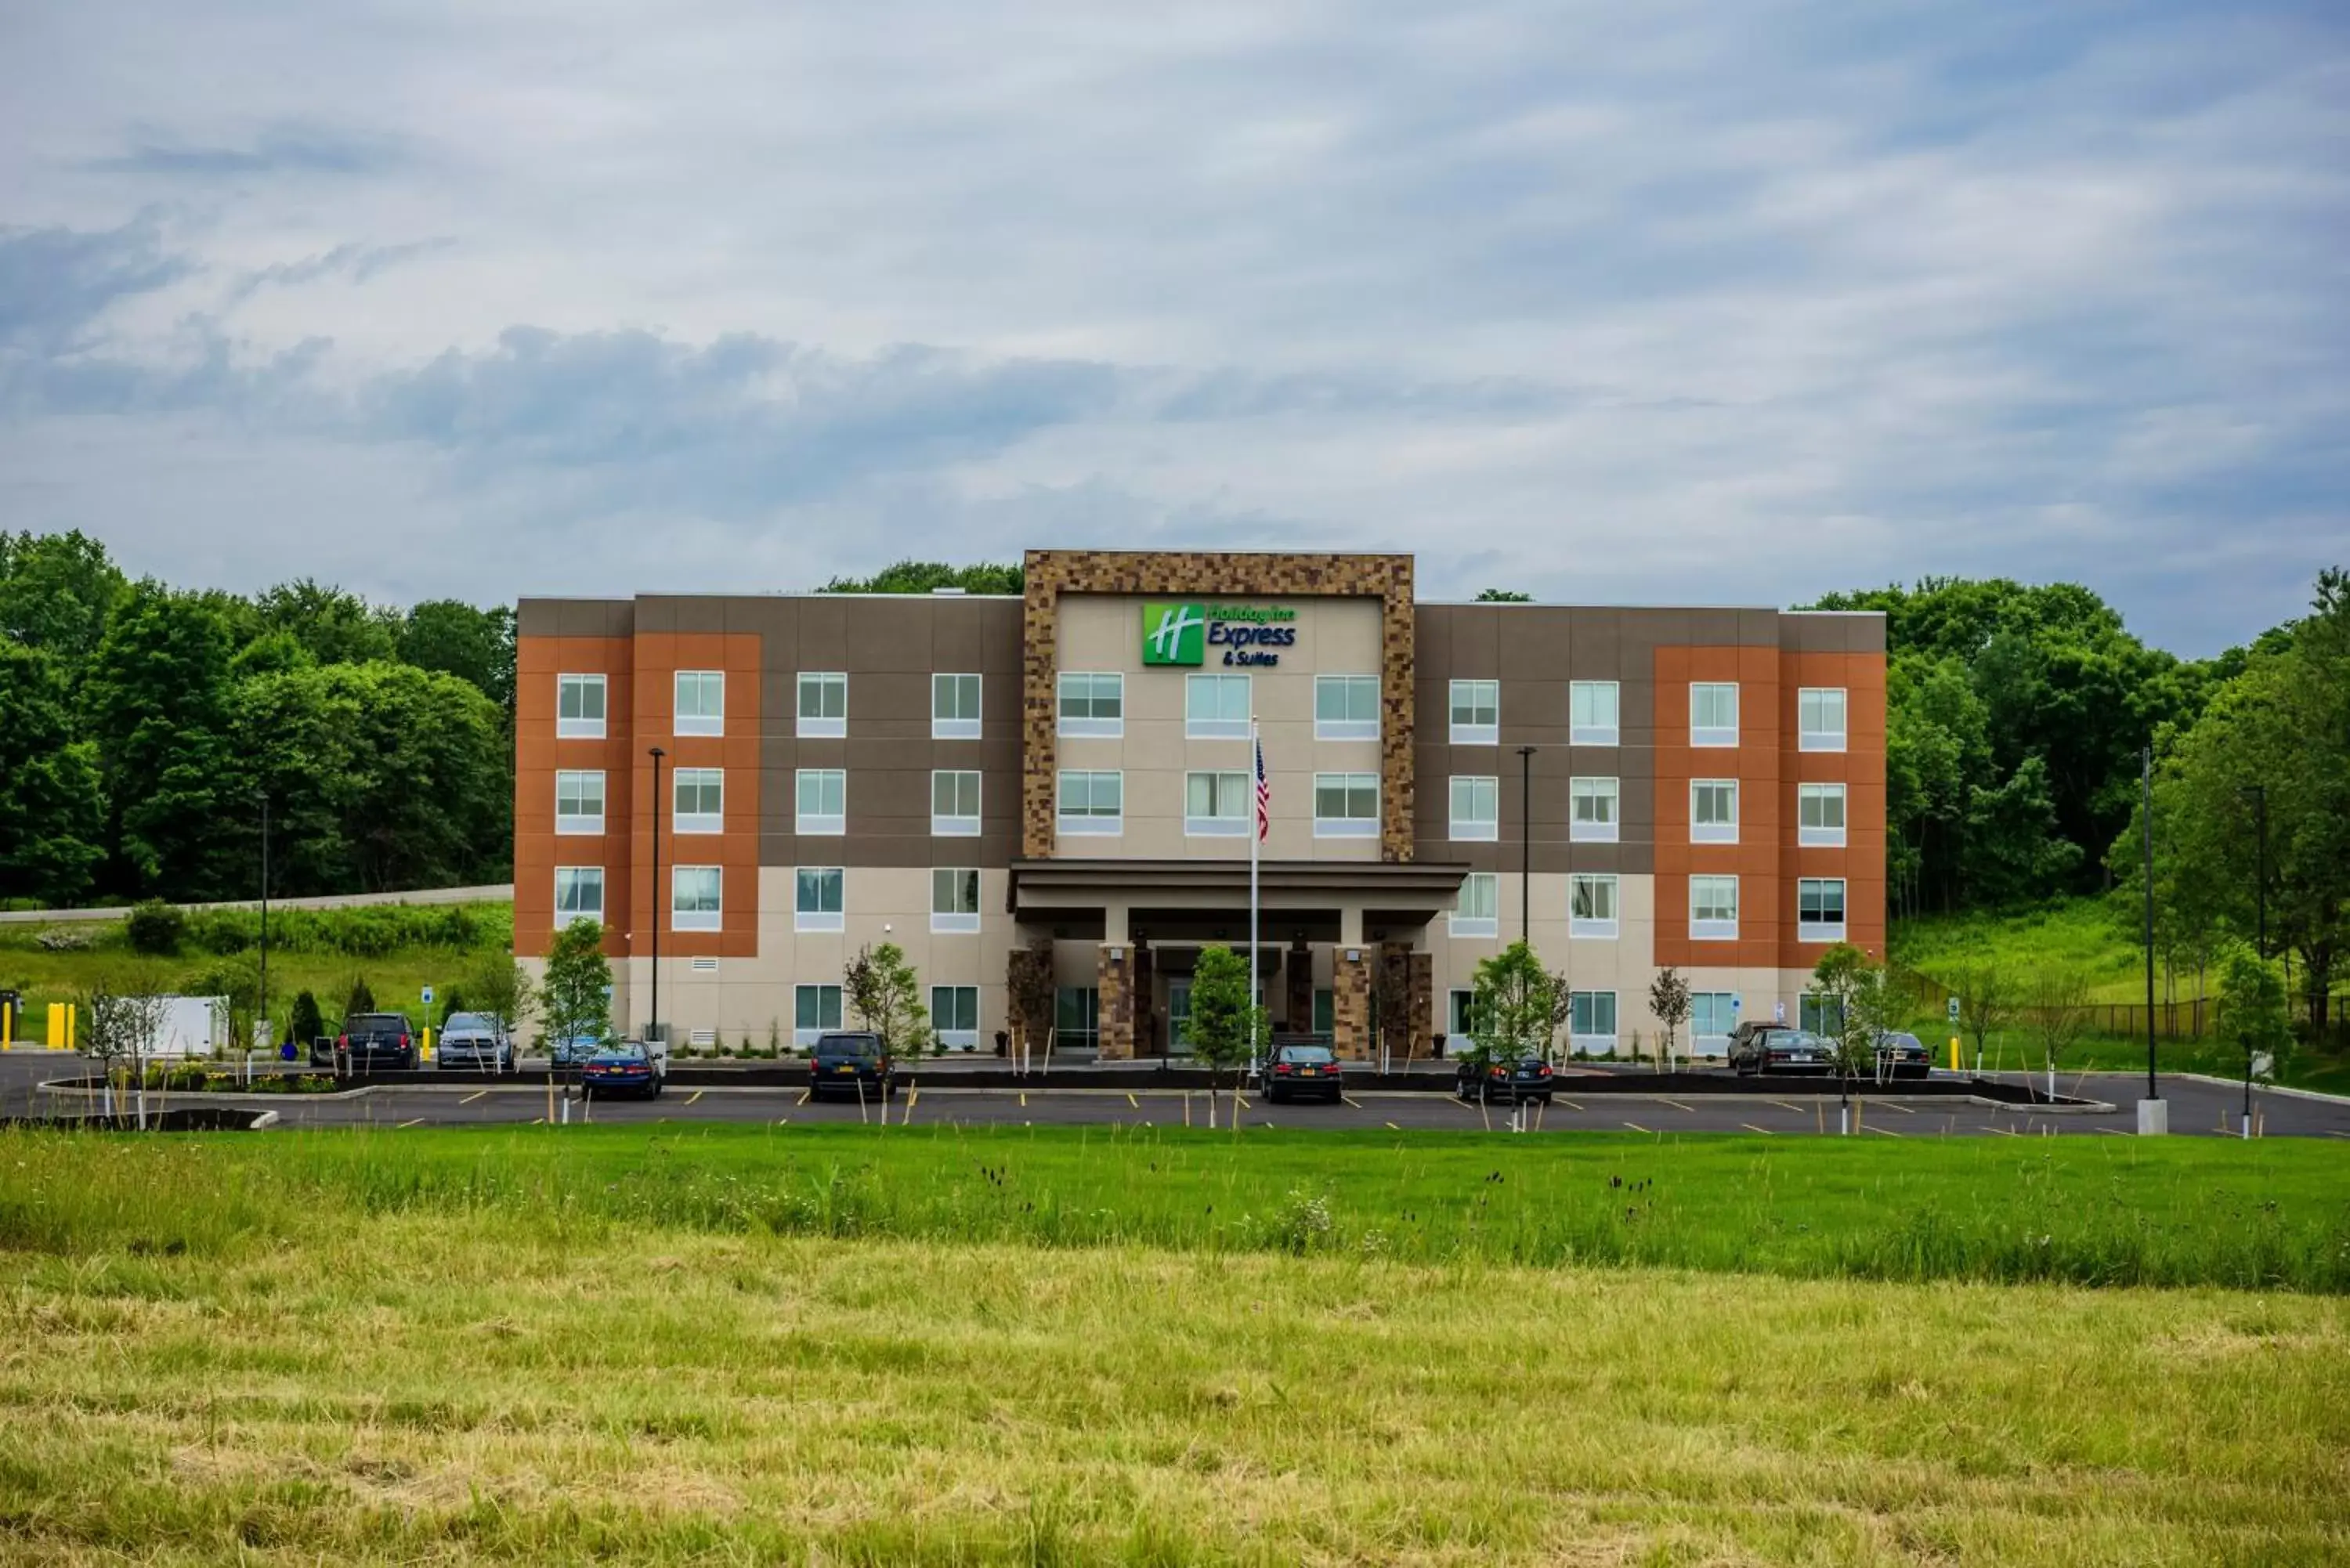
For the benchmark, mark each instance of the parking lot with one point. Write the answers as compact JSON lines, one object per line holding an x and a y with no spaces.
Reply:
{"x":2196,"y":1108}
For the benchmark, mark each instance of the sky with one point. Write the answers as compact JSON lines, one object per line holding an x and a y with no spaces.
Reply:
{"x":1666,"y":303}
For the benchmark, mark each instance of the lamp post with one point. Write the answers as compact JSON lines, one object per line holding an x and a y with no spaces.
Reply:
{"x":652,"y":1018}
{"x":265,"y":915}
{"x":1525,"y":843}
{"x":2260,"y":793}
{"x":2153,"y":1115}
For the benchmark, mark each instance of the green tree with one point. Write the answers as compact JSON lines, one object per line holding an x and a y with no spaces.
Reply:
{"x":52,"y":807}
{"x":358,"y":998}
{"x":2253,"y":1012}
{"x":923,"y":576}
{"x":306,"y":1023}
{"x":2058,"y":1012}
{"x":1515,"y":1009}
{"x":1227,"y":1025}
{"x":882,"y":989}
{"x":477,"y":646}
{"x":1503,"y":596}
{"x":336,"y":626}
{"x":56,"y":593}
{"x":499,"y":989}
{"x":574,"y":997}
{"x":156,"y":701}
{"x":1669,"y":1004}
{"x":1986,"y":995}
{"x":1859,"y":1008}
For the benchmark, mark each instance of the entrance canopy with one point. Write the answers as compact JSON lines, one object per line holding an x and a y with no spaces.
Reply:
{"x":1196,"y":900}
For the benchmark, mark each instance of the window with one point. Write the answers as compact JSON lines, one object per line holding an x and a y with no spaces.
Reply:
{"x":1216,"y":707}
{"x":822,"y":804}
{"x":824,"y":703}
{"x":1325,"y":1013}
{"x":1345,"y":707}
{"x":1819,"y":909}
{"x":1476,"y":713}
{"x":1819,"y":1014}
{"x":1819,"y":816}
{"x":1591,"y":1021}
{"x":954,"y":1014}
{"x":1179,"y":1016}
{"x":954,"y":802}
{"x":1591,"y":905}
{"x":578,"y":894}
{"x":1216,"y":805}
{"x":1460,"y":1014}
{"x":1713,"y":713}
{"x":1076,"y":1018}
{"x":580,"y":707}
{"x":1713,"y":908}
{"x":693,"y":898}
{"x":578,"y":802}
{"x":1091,"y":801}
{"x":954,"y":898}
{"x":1093,"y":705}
{"x":1592,"y":713}
{"x":1594,"y":817}
{"x":815,"y":1010}
{"x":954,"y":707}
{"x":815,"y":903}
{"x":1714,"y":811}
{"x":1713,"y":1018}
{"x":1346,"y":806}
{"x":698,"y":799}
{"x":701,"y":705}
{"x":1476,"y":807}
{"x":1477,"y":913}
{"x":1819,"y":719}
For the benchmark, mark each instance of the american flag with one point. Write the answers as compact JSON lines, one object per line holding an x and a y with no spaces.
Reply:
{"x":1264,"y":795}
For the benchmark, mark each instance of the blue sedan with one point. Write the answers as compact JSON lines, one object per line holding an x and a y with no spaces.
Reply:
{"x":620,"y":1070}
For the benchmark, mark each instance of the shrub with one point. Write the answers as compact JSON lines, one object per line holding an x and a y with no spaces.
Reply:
{"x":307,"y":1024}
{"x":66,"y":938}
{"x":224,"y":931}
{"x":359,"y":999}
{"x":155,"y":929}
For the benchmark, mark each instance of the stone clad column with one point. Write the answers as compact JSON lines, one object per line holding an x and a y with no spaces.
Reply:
{"x":1350,"y":988}
{"x":1117,"y":1021}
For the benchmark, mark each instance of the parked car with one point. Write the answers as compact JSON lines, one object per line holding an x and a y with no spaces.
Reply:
{"x":1295,"y":1072}
{"x":574,"y":1049}
{"x":624,"y":1067}
{"x":1528,"y":1078}
{"x":1900,"y":1054}
{"x":1781,"y":1050}
{"x":474,"y":1041}
{"x":851,"y":1064}
{"x":372,"y":1042}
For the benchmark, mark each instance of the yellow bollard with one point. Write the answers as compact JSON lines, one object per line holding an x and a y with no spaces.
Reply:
{"x":8,"y":1027}
{"x":70,"y":1021}
{"x":427,"y":1056}
{"x":1954,"y":1053}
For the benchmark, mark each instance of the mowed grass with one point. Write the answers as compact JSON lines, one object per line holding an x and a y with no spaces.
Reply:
{"x":561,"y":1345}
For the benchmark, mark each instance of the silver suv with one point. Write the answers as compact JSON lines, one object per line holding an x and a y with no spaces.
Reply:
{"x":473,"y":1042}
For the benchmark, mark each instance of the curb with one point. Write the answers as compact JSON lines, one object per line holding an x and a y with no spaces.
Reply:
{"x":2288,"y":1092}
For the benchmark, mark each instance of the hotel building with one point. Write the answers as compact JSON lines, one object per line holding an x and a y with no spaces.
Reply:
{"x":1064,"y":779}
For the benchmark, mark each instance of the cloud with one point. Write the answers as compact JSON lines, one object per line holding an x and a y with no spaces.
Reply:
{"x":352,"y":260}
{"x":282,"y":149}
{"x":56,"y":280}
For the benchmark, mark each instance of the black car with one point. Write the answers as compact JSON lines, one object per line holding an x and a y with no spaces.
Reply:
{"x":375,"y":1041}
{"x":853,"y":1065}
{"x":1514,"y":1083}
{"x":1781,"y":1050}
{"x":1302,"y":1071}
{"x":623,"y":1069}
{"x":1900,"y":1054}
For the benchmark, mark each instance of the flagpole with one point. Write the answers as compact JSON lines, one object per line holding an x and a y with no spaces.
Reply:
{"x":1256,"y":837}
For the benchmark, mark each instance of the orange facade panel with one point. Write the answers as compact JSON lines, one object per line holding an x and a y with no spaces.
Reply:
{"x":540,"y":754}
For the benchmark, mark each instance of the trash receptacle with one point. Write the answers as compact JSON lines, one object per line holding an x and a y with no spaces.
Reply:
{"x":285,"y":1052}
{"x":1003,"y":1042}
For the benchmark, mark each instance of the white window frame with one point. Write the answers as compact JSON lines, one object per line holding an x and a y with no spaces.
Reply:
{"x":579,"y":877}
{"x":1220,"y":725}
{"x":1595,"y":926}
{"x":957,"y":726}
{"x":1591,"y":1041}
{"x":1223,"y":782}
{"x":825,"y":686}
{"x":683,"y":724}
{"x":956,"y":824}
{"x":1090,"y":725}
{"x":1822,"y":930}
{"x":804,"y":1034}
{"x":951,"y":921}
{"x":1597,"y":827}
{"x":1459,"y":1004}
{"x":1713,"y":734}
{"x":580,"y":823}
{"x":696,"y":920}
{"x":1583,"y":725}
{"x":1713,"y":1041}
{"x":1822,"y":836}
{"x":819,"y":918}
{"x":1713,"y":927}
{"x":1489,"y":924}
{"x":1480,"y":790}
{"x":1482,"y":697}
{"x":957,"y":1038}
{"x":1820,"y":703}
{"x":1712,"y":832}
{"x":1089,"y":822}
{"x":688,"y":822}
{"x":1346,"y":826}
{"x":1350,"y":689}
{"x":581,"y":727}
{"x":819,"y":823}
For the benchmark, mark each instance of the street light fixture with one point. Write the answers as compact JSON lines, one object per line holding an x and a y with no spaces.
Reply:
{"x":1525,"y":843}
{"x":653,"y":1019}
{"x":2260,"y":793}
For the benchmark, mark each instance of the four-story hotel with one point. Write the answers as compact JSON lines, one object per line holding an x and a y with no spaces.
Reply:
{"x":1064,"y":781}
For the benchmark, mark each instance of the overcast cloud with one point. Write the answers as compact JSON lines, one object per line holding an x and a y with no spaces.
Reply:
{"x":1669,"y":302}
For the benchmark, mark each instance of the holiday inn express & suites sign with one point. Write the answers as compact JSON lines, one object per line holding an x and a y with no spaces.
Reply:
{"x":1185,"y":633}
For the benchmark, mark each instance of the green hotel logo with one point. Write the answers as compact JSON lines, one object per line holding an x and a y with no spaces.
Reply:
{"x":1174,"y":634}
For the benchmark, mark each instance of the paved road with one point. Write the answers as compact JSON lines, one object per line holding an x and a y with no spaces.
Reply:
{"x":2196,"y":1109}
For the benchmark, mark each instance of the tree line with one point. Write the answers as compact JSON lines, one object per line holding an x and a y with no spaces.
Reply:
{"x":145,"y":725}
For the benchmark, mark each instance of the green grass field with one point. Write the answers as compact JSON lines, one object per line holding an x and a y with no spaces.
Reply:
{"x":842,"y":1345}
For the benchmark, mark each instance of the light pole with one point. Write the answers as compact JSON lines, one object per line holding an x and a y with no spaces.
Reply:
{"x":2153,"y":1116}
{"x":265,"y":917}
{"x":653,"y":1019}
{"x":1527,"y":844}
{"x":2260,"y":793}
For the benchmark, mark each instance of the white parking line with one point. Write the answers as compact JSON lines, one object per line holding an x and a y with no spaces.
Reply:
{"x":1896,"y":1106}
{"x":1570,"y":1104}
{"x":476,"y":1094}
{"x":1750,"y":1126}
{"x":417,"y":1122}
{"x":1887,"y":1131}
{"x":1132,"y":1101}
{"x":695,"y":1096}
{"x":1785,"y":1106}
{"x":806,"y":1092}
{"x":1350,"y":1099}
{"x":1676,"y":1105}
{"x":1637,"y":1128}
{"x":1392,"y":1128}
